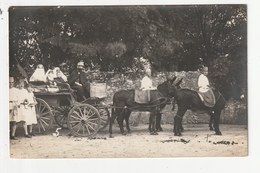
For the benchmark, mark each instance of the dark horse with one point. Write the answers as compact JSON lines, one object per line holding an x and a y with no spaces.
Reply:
{"x":189,"y":99}
{"x":123,"y":102}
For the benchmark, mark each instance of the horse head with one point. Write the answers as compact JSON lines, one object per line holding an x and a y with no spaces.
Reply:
{"x":174,"y":87}
{"x":232,"y":89}
{"x":177,"y":85}
{"x":236,"y":91}
{"x":167,"y":88}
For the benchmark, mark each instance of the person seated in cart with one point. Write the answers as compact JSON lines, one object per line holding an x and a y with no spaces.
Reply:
{"x":59,"y":76}
{"x":78,"y":81}
{"x":38,"y":75}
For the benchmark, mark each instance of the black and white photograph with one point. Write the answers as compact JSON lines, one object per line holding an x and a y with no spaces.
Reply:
{"x":148,"y":81}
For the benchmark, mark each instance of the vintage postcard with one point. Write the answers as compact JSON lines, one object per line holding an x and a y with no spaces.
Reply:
{"x":128,"y":81}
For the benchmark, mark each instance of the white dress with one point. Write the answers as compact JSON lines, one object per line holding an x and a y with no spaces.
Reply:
{"x":38,"y":75}
{"x":31,"y":113}
{"x":13,"y":103}
{"x":22,"y":111}
{"x":146,"y":83}
{"x":203,"y":83}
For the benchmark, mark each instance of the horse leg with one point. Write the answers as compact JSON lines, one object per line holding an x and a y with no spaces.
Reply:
{"x":127,"y":115}
{"x":216,"y":121}
{"x":111,"y":121}
{"x":178,"y":121}
{"x":152,"y":123}
{"x":120,"y":120}
{"x":211,"y":121}
{"x":182,"y":129}
{"x":158,"y":122}
{"x":177,"y":125}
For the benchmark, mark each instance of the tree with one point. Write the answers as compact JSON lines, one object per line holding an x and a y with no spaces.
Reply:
{"x":171,"y":38}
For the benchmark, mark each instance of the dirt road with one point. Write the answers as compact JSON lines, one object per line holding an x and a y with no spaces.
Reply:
{"x":197,"y":141}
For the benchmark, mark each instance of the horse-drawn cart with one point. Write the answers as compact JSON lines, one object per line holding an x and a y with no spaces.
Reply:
{"x":82,"y":118}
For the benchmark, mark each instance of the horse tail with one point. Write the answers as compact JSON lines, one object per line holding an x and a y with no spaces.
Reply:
{"x":113,"y":109}
{"x":173,"y":104}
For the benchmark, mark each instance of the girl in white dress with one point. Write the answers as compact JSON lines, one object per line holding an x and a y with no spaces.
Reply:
{"x":13,"y":108}
{"x":31,"y":114}
{"x":22,"y":95}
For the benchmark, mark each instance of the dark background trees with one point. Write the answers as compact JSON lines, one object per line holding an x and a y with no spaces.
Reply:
{"x":110,"y":38}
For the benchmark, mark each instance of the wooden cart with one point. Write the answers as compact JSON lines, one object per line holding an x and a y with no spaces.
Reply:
{"x":82,"y":118}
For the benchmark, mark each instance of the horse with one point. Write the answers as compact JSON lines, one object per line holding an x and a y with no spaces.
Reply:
{"x":123,"y":104}
{"x":189,"y":99}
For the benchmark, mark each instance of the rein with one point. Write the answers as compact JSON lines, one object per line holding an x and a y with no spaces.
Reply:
{"x":221,"y":96}
{"x":141,"y":106}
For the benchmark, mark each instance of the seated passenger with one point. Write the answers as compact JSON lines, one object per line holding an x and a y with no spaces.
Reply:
{"x":77,"y":80}
{"x":57,"y":72}
{"x":50,"y":78}
{"x":38,"y":75}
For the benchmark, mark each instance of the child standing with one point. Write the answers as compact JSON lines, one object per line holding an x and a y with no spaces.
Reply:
{"x":23,"y":106}
{"x":31,"y":114}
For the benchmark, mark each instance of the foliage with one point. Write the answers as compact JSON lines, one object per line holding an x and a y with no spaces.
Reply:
{"x":110,"y":38}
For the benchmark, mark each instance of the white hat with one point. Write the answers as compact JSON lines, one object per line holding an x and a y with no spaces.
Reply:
{"x":205,"y":69}
{"x":80,"y":63}
{"x":40,"y":66}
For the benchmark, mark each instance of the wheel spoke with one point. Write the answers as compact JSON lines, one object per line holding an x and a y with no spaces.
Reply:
{"x":83,"y":129}
{"x":93,"y":123}
{"x":77,"y":118}
{"x":75,"y":124}
{"x":75,"y":112}
{"x":87,"y":128}
{"x":42,"y":110}
{"x":44,"y":122}
{"x":44,"y":118}
{"x":93,"y":114}
{"x":93,"y":119}
{"x":79,"y":127}
{"x":80,"y":111}
{"x":42,"y":126}
{"x":91,"y":127}
{"x":45,"y":113}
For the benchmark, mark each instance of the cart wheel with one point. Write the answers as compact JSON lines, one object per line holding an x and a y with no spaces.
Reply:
{"x":84,"y":120}
{"x":104,"y":115}
{"x":61,"y":115}
{"x":44,"y":116}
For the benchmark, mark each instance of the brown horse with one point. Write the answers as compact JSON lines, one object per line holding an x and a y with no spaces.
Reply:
{"x":189,"y":99}
{"x":123,"y":102}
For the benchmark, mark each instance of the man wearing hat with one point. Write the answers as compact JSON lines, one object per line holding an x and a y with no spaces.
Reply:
{"x":204,"y":88}
{"x":77,"y":80}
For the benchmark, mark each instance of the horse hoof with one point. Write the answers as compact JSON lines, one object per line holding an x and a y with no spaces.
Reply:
{"x":177,"y":134}
{"x":211,"y":128}
{"x":159,"y":130}
{"x":111,"y":136}
{"x":218,"y":133}
{"x":153,"y":133}
{"x":124,"y":133}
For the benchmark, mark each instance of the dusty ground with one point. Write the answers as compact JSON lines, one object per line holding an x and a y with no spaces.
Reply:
{"x":139,"y":144}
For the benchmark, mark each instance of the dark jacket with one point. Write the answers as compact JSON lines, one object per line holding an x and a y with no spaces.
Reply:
{"x":73,"y":77}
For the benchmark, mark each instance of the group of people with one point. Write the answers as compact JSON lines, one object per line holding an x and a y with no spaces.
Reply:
{"x":203,"y":85}
{"x":55,"y":78}
{"x":21,"y":108}
{"x":22,"y":101}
